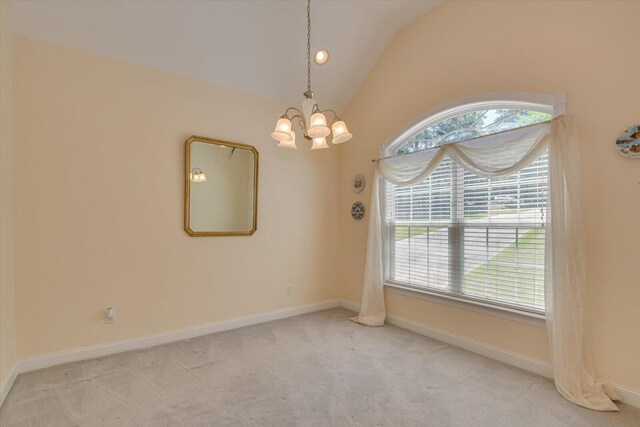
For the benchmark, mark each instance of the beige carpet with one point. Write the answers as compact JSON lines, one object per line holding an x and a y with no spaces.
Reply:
{"x":313,"y":370}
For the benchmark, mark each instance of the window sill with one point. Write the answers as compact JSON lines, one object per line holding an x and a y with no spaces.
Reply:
{"x":478,"y":307}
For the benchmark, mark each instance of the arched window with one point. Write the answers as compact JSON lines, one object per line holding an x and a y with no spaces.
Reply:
{"x":472,"y":124}
{"x":462,"y":235}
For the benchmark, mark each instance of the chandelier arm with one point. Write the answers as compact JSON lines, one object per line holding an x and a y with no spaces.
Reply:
{"x":286,"y":113}
{"x":335,"y":115}
{"x":302,"y":121}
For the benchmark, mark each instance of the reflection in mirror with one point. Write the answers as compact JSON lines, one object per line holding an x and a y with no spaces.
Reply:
{"x":221,"y":188}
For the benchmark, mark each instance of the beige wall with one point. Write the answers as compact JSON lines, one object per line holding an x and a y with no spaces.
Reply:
{"x":460,"y":49}
{"x":7,"y":291}
{"x":99,"y":158}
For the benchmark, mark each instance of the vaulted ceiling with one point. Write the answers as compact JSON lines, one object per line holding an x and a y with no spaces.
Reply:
{"x":258,"y":47}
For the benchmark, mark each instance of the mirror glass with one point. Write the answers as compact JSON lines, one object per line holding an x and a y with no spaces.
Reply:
{"x":221,"y":188}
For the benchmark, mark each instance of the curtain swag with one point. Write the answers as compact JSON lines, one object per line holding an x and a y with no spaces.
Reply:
{"x":496,"y":156}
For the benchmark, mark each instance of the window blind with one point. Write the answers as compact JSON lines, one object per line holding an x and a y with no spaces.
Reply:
{"x":465,"y":235}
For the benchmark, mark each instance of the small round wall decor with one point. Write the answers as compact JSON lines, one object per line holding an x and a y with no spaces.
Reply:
{"x":357,"y":211}
{"x":357,"y":184}
{"x":629,"y":142}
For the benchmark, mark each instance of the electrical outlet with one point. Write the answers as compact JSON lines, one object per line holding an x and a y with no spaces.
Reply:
{"x":289,"y":290}
{"x":110,"y":316}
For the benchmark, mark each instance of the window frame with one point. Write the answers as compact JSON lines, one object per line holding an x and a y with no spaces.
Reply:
{"x":544,"y":103}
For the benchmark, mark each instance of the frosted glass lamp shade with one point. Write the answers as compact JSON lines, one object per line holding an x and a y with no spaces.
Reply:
{"x":340,"y":132}
{"x":282,"y":131}
{"x":318,"y":127}
{"x":319,"y":143}
{"x":289,"y":144}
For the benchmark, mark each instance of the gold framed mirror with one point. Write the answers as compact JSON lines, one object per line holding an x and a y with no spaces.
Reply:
{"x":221,"y":188}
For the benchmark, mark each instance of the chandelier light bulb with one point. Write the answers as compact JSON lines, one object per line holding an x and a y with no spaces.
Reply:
{"x":340,"y":132}
{"x":318,"y":127}
{"x":289,"y":144}
{"x":319,"y":143}
{"x":282,"y":131}
{"x":321,"y":57}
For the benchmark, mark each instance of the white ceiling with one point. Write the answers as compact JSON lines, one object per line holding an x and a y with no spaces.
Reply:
{"x":258,"y":47}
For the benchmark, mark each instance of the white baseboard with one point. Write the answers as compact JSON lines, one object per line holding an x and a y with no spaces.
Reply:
{"x":349,"y":305}
{"x":4,"y":388}
{"x":514,"y":359}
{"x":84,"y":353}
{"x":629,"y":396}
{"x":518,"y":360}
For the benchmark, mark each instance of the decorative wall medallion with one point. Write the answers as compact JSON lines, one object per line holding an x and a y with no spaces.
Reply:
{"x":357,"y":185}
{"x":629,"y":142}
{"x":357,"y":211}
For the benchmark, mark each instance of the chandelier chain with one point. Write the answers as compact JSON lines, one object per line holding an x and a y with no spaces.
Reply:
{"x":309,"y":45}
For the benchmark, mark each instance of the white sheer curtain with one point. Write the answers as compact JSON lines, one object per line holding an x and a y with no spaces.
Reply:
{"x":372,"y":310}
{"x":565,"y":276}
{"x":500,"y":155}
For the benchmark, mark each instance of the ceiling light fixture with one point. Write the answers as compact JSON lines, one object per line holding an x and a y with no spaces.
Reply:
{"x":311,"y":119}
{"x":321,"y":57}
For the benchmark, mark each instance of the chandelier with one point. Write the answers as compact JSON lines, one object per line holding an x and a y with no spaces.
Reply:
{"x":311,"y":119}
